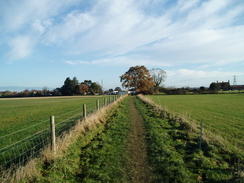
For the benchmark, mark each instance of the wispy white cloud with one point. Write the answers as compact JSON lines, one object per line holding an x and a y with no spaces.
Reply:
{"x":191,"y":31}
{"x":23,"y":23}
{"x":17,"y":15}
{"x":73,"y":26}
{"x":20,"y":47}
{"x":118,"y":61}
{"x":221,"y":47}
{"x":186,"y":5}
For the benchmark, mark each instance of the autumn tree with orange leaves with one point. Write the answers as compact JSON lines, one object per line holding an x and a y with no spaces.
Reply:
{"x":137,"y":78}
{"x":83,"y":89}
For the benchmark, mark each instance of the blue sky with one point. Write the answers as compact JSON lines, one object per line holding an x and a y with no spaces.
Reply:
{"x":195,"y":41}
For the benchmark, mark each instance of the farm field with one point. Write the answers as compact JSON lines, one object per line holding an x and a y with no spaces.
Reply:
{"x":24,"y":117}
{"x":20,"y":113}
{"x":221,"y":114}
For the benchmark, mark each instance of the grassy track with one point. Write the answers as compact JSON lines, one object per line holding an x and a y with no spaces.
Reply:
{"x":221,"y":114}
{"x":138,"y":168}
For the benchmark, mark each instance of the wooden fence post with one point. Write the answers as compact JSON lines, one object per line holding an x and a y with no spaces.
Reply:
{"x":105,"y":101}
{"x":84,"y":111}
{"x":53,"y":137}
{"x":97,"y":104}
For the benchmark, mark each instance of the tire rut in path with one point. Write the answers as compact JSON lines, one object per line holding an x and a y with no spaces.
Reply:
{"x":137,"y":159}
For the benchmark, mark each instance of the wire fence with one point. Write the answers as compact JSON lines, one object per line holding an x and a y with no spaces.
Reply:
{"x":16,"y":150}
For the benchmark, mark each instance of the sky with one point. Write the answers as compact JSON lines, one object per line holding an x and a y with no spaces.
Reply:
{"x":196,"y":42}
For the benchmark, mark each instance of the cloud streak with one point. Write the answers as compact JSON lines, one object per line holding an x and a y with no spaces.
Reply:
{"x":118,"y":61}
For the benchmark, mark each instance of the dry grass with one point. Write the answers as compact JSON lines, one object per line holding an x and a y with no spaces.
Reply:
{"x":15,"y":174}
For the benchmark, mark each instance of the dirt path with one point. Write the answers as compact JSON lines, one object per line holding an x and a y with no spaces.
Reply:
{"x":137,"y":162}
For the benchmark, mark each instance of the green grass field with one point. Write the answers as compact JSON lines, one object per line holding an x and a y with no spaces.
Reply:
{"x":24,"y":117}
{"x":20,"y":113}
{"x":221,"y":114}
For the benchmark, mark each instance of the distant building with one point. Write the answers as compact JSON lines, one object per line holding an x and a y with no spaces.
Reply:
{"x":237,"y":87}
{"x":224,"y":85}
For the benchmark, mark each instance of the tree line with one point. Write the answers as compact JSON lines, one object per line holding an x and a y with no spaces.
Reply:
{"x":69,"y":88}
{"x":137,"y":78}
{"x":73,"y":87}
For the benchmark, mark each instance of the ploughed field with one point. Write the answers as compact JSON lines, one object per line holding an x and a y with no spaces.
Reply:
{"x":222,"y":114}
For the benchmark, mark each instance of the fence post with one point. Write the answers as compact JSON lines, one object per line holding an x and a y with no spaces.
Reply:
{"x":105,"y":101}
{"x":84,"y":111}
{"x":97,"y":104}
{"x":53,"y":137}
{"x":200,"y":143}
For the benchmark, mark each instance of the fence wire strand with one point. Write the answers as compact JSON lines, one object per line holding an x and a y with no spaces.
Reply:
{"x":24,"y":129}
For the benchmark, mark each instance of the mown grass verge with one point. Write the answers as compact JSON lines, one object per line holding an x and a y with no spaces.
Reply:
{"x":102,"y":160}
{"x":173,"y":146}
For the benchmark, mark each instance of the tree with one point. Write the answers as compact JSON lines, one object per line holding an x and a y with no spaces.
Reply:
{"x":25,"y":93}
{"x":66,"y":89}
{"x":215,"y":86}
{"x":226,"y":86}
{"x":7,"y":93}
{"x":137,"y":78}
{"x":57,"y":91}
{"x":87,"y":82}
{"x":70,"y":87}
{"x":202,"y":88}
{"x":45,"y":90}
{"x":158,"y":76}
{"x":95,"y":88}
{"x":75,"y":85}
{"x":83,"y":89}
{"x":118,"y":89}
